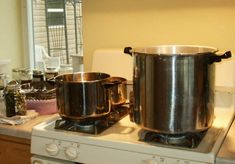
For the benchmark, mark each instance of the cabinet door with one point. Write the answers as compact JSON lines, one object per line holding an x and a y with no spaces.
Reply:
{"x":14,"y":150}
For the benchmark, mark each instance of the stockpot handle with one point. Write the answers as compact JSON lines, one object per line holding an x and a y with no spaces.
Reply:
{"x":218,"y":58}
{"x":128,"y":50}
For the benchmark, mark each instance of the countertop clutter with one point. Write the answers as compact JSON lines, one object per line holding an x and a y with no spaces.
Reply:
{"x":23,"y":130}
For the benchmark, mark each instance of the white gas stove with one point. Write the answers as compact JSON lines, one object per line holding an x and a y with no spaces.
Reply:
{"x":120,"y":143}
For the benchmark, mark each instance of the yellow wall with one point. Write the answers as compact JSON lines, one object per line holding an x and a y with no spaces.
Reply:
{"x":120,"y":23}
{"x":11,"y":46}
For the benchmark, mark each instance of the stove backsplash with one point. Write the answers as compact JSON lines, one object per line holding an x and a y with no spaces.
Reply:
{"x":225,"y":73}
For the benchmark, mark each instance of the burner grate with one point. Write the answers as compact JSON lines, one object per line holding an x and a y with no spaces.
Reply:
{"x":93,"y":125}
{"x":188,"y":140}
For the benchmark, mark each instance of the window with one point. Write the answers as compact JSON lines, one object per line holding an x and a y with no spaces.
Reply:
{"x":56,"y":29}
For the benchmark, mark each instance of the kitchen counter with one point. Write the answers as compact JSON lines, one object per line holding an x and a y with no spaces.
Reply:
{"x":23,"y":130}
{"x":226,"y":154}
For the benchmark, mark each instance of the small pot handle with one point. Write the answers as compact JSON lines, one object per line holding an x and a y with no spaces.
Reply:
{"x":128,"y":50}
{"x":218,"y":58}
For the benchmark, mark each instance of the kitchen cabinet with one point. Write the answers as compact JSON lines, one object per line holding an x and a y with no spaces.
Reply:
{"x":15,"y":141}
{"x":14,"y":150}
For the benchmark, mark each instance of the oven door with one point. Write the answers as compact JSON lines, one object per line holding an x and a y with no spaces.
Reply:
{"x":35,"y":159}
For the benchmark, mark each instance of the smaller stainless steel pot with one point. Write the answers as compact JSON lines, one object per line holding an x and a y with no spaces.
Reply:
{"x":82,"y":95}
{"x":118,"y":90}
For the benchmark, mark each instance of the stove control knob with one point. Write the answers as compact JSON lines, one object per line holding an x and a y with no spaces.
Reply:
{"x":52,"y":149}
{"x":71,"y":152}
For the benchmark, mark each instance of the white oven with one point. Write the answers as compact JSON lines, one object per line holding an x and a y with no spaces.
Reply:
{"x":44,"y":160}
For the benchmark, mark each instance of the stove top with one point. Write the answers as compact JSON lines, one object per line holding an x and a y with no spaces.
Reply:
{"x":121,"y":142}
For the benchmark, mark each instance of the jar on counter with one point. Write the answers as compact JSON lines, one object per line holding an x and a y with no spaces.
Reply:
{"x":38,"y":79}
{"x":65,"y":68}
{"x":3,"y":80}
{"x":2,"y":104}
{"x":51,"y":73}
{"x":25,"y":75}
{"x":16,"y":74}
{"x":14,"y":99}
{"x":38,"y":75}
{"x":22,"y":75}
{"x":25,"y":78}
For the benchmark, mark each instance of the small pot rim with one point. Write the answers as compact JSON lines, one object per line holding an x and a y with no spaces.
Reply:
{"x":60,"y":78}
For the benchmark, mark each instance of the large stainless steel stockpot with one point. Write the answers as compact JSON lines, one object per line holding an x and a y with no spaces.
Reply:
{"x":82,"y":95}
{"x":174,"y":87}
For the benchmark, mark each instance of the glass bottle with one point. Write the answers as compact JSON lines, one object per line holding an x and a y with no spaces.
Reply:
{"x":50,"y":74}
{"x":25,"y":78}
{"x":16,"y":74}
{"x":38,"y":79}
{"x":65,"y":69}
{"x":14,"y":99}
{"x":25,"y":75}
{"x":3,"y":80}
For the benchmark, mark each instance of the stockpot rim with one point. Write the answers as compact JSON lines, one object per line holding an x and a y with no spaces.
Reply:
{"x":170,"y":50}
